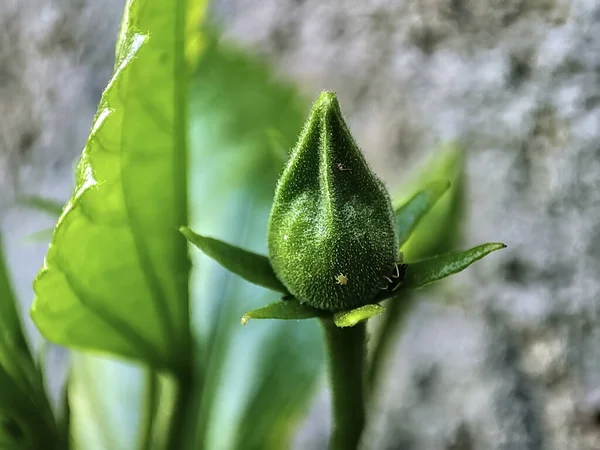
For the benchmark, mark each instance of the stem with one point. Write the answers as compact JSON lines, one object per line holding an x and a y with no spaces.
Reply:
{"x":150,"y":410}
{"x":394,"y":317}
{"x":64,"y":422}
{"x":346,"y":350}
{"x":184,"y":400}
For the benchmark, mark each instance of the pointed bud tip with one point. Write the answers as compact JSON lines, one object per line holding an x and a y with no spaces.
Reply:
{"x":327,"y":102}
{"x":327,"y":97}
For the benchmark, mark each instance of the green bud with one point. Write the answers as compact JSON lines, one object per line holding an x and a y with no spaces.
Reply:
{"x":332,"y":239}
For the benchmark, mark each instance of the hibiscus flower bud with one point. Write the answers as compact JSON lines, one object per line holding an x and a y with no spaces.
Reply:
{"x":332,"y":238}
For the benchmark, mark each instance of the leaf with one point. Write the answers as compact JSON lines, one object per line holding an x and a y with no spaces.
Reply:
{"x":116,"y":273}
{"x":24,"y":407}
{"x":410,"y":214}
{"x":194,"y":37}
{"x":15,"y":356}
{"x":15,"y":429}
{"x":106,"y":401}
{"x":44,"y":235}
{"x":277,"y":148}
{"x":438,"y":230}
{"x":275,"y":427}
{"x":285,"y":310}
{"x":430,"y":270}
{"x":25,"y":415}
{"x":49,"y":206}
{"x":355,"y":316}
{"x":250,"y":266}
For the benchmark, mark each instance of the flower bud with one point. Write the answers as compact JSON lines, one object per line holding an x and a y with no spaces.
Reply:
{"x":332,"y":239}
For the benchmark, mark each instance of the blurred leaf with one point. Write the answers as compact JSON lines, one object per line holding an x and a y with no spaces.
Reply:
{"x":286,"y":310}
{"x":438,"y":230}
{"x":39,"y":236}
{"x":16,"y":410}
{"x":49,"y":206}
{"x":26,"y":420}
{"x":15,"y":356}
{"x":237,"y":106}
{"x":409,"y":215}
{"x":279,"y":152}
{"x":106,"y":401}
{"x":194,"y":37}
{"x":115,"y":276}
{"x":430,"y":270}
{"x":271,"y":423}
{"x":350,"y":318}
{"x":252,"y":267}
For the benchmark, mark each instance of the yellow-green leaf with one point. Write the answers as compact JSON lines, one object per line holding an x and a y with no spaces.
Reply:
{"x":115,"y":278}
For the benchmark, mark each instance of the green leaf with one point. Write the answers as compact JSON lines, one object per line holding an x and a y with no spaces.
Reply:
{"x":430,"y":270}
{"x":106,"y":403}
{"x":286,"y":310}
{"x":44,"y":235}
{"x":410,"y":214}
{"x":15,"y":407}
{"x":15,"y":356}
{"x":277,"y":148}
{"x":350,"y":318}
{"x":250,"y":266}
{"x":438,"y":229}
{"x":47,"y":205}
{"x":271,"y":422}
{"x":25,"y":415}
{"x":116,"y":274}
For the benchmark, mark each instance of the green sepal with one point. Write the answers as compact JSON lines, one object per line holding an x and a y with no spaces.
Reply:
{"x":353,"y":317}
{"x":430,"y":270}
{"x":290,"y":309}
{"x":410,"y":213}
{"x":250,"y":266}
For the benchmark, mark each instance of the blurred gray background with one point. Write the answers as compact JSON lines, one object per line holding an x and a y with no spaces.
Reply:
{"x":512,"y":361}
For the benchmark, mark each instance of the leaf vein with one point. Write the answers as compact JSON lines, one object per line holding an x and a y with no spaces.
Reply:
{"x":141,"y":342}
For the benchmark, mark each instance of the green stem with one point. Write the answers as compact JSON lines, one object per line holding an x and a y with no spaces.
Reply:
{"x":396,"y":311}
{"x":182,"y":409}
{"x":63,"y":425}
{"x":346,"y":351}
{"x":150,"y":407}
